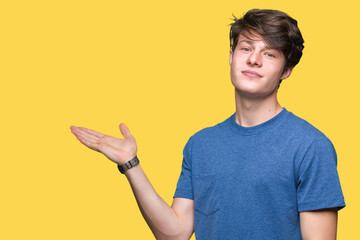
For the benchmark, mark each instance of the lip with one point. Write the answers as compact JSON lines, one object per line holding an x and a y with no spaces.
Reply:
{"x":251,"y":74}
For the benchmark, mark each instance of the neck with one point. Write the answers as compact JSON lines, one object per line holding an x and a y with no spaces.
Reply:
{"x":252,"y":112}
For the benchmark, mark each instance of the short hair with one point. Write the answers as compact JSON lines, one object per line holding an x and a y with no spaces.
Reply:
{"x":278,"y":29}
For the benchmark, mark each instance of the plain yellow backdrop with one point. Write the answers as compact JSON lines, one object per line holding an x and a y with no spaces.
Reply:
{"x":162,"y":68}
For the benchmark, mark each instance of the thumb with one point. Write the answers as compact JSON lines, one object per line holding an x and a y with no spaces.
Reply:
{"x":125,"y":131}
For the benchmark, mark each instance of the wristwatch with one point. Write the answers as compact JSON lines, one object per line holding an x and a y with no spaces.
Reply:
{"x":126,"y":166}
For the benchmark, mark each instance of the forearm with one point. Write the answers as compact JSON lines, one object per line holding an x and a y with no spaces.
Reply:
{"x":160,"y":217}
{"x":175,"y":222}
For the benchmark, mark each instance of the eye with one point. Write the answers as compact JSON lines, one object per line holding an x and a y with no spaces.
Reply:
{"x":270,"y":55}
{"x":245,"y":49}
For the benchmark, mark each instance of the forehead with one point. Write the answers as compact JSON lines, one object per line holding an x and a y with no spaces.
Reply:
{"x":252,"y":37}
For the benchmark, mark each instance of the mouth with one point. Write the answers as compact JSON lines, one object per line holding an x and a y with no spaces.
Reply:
{"x":251,"y":74}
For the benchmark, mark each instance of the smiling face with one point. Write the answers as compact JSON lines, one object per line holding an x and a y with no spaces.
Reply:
{"x":256,"y":69}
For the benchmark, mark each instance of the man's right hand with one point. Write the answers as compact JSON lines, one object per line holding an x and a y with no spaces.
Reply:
{"x":175,"y":222}
{"x":117,"y":150}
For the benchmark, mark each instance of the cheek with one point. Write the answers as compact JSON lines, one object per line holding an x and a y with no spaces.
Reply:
{"x":235,"y":74}
{"x":275,"y":71}
{"x":236,"y":66}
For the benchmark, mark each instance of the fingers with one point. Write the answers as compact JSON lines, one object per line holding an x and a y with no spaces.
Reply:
{"x":88,"y":133}
{"x":87,"y":137}
{"x":91,"y":132}
{"x":125,"y":131}
{"x":90,"y":143}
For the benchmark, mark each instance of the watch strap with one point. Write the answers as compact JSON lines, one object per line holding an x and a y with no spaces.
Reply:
{"x":126,"y":166}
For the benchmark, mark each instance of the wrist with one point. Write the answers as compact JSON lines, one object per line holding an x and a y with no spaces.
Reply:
{"x":129,"y":164}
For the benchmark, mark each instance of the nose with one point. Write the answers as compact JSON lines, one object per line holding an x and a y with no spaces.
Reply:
{"x":254,"y":59}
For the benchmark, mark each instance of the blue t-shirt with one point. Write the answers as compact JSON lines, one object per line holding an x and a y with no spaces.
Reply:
{"x":252,"y":182}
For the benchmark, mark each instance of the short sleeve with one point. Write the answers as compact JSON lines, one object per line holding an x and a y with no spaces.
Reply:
{"x":184,"y":186}
{"x":318,"y":184}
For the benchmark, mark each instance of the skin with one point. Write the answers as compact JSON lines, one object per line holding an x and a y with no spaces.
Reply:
{"x":319,"y":224}
{"x":255,"y":73}
{"x":175,"y":222}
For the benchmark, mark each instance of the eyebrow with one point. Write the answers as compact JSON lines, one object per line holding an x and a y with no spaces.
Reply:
{"x":247,"y":41}
{"x":251,"y":42}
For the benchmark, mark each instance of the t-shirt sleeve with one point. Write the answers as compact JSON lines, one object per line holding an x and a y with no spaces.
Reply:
{"x":184,"y":186}
{"x":318,"y":184}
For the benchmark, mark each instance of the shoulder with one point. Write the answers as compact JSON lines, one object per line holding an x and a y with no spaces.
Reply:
{"x":211,"y":134}
{"x":307,"y":140}
{"x":215,"y":131}
{"x":303,"y":130}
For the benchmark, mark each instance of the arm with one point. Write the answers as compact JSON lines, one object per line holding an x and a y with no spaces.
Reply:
{"x":319,"y":224}
{"x":175,"y":222}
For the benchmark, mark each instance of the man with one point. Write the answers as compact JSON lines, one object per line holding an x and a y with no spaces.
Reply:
{"x":261,"y":174}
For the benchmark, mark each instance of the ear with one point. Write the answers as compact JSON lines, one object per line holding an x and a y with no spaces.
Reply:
{"x":230,"y":56}
{"x":286,"y":74}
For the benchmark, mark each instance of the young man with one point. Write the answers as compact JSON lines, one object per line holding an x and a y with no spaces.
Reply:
{"x":261,"y":174}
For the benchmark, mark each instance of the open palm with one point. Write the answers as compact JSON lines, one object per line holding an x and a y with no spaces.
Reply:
{"x":116,"y":149}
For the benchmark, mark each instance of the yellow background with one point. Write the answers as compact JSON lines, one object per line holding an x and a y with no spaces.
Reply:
{"x":162,"y":68}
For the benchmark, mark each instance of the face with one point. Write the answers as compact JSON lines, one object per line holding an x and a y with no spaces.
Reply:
{"x":256,"y":69}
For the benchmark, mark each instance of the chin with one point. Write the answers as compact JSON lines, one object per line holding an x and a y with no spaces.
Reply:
{"x":248,"y":88}
{"x":254,"y":93}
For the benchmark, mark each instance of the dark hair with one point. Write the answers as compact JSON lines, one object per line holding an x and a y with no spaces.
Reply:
{"x":278,"y":29}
